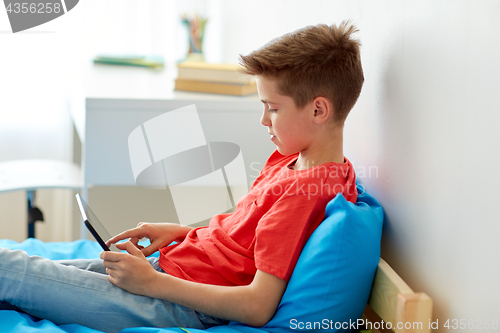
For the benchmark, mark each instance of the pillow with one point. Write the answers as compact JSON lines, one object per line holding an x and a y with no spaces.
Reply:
{"x":331,"y":282}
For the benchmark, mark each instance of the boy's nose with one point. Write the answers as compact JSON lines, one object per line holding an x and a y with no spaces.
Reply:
{"x":264,"y":120}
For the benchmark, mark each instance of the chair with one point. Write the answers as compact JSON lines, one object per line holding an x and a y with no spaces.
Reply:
{"x":31,"y":175}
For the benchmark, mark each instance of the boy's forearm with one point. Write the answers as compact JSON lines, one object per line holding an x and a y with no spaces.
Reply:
{"x":245,"y":304}
{"x":183,"y":231}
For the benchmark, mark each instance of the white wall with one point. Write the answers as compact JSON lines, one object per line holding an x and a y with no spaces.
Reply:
{"x":427,"y":121}
{"x":37,"y":76}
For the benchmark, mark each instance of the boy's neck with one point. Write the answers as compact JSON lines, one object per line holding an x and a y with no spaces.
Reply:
{"x":323,"y":151}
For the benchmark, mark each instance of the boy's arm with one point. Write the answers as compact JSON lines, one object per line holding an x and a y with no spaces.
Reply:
{"x":254,"y":304}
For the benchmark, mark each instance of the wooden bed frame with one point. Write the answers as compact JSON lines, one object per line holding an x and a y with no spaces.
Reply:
{"x":393,"y":304}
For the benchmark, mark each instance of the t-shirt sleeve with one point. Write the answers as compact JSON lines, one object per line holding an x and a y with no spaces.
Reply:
{"x":283,"y":231}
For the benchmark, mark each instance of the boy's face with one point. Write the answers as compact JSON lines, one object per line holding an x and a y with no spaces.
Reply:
{"x":290,"y":127}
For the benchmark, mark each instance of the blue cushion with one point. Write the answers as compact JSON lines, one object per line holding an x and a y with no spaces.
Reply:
{"x":80,"y":249}
{"x":331,"y":282}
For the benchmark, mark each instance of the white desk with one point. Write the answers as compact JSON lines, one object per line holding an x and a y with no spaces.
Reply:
{"x":118,"y":99}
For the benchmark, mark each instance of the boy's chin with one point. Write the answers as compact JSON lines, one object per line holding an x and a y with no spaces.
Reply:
{"x":285,"y":152}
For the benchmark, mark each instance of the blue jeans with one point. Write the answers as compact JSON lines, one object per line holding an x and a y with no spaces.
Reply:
{"x":78,"y":292}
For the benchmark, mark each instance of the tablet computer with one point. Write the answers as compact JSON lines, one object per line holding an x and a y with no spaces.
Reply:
{"x":93,"y":224}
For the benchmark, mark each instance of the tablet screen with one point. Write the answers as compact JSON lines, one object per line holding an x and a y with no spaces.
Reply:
{"x":89,"y":218}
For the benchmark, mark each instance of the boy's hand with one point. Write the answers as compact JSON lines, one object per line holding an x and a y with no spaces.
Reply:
{"x":160,"y":235}
{"x":130,"y":271}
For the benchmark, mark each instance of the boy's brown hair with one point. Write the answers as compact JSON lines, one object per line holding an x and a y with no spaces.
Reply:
{"x":310,"y":62}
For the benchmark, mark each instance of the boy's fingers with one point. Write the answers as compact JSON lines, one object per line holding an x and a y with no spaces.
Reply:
{"x":111,"y":265}
{"x":111,"y":256}
{"x":118,"y":237}
{"x":135,"y":241}
{"x":152,"y":248}
{"x":121,"y":246}
{"x":124,"y":235}
{"x":147,"y":251}
{"x":130,"y":248}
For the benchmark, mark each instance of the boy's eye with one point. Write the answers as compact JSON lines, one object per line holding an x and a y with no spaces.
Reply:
{"x":272,"y":110}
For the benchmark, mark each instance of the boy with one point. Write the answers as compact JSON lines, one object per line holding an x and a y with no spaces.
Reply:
{"x":237,"y":268}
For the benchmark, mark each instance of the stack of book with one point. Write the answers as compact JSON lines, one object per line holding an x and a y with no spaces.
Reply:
{"x":213,"y":78}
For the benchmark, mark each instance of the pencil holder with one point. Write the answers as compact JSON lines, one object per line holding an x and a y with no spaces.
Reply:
{"x":196,"y":29}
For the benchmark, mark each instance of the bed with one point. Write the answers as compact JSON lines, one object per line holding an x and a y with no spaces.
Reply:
{"x":338,"y":273}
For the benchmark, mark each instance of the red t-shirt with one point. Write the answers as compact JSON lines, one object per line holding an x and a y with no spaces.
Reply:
{"x":268,"y":228}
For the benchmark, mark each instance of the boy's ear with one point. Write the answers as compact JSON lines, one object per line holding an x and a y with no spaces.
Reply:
{"x":322,"y":110}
